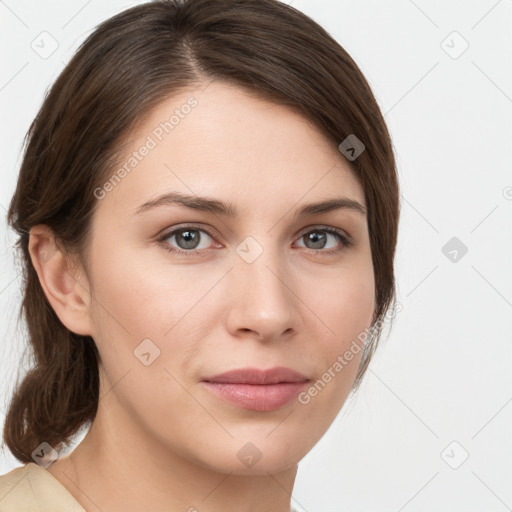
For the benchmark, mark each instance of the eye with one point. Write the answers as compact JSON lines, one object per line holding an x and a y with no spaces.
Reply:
{"x":190,"y":240}
{"x":186,"y":240}
{"x":326,"y":240}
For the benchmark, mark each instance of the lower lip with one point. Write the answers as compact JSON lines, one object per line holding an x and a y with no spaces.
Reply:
{"x":257,"y":397}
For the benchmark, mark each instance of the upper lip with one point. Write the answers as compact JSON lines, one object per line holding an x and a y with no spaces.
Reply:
{"x":257,"y":376}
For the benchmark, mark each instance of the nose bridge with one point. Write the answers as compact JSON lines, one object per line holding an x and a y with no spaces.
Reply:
{"x":262,"y":301}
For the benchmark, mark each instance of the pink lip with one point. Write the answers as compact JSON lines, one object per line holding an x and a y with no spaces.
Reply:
{"x":257,"y":390}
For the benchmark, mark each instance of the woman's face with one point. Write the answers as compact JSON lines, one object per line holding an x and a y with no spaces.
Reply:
{"x":247,"y":282}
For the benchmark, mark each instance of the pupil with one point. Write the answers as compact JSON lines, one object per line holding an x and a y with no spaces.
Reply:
{"x":187,"y":239}
{"x":318,"y":239}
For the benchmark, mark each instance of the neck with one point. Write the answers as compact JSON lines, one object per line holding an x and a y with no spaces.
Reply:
{"x":118,"y":467}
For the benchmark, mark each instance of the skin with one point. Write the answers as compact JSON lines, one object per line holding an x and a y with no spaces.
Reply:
{"x":160,"y":440}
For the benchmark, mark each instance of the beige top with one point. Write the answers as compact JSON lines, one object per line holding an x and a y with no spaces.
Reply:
{"x":31,"y":488}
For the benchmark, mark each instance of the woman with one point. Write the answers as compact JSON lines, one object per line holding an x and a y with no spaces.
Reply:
{"x":207,"y":213}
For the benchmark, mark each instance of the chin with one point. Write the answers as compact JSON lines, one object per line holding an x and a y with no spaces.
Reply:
{"x":259,"y":456}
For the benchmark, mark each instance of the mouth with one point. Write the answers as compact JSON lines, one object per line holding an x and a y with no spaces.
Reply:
{"x":257,"y":390}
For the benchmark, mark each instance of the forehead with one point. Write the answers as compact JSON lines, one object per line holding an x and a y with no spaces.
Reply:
{"x":225,"y":142}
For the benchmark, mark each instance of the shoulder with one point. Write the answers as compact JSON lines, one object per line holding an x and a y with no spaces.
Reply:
{"x":32,"y":488}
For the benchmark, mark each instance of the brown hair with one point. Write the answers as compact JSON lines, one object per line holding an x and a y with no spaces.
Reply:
{"x":125,"y":68}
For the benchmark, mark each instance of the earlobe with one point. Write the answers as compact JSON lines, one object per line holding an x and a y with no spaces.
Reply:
{"x":64,"y":285}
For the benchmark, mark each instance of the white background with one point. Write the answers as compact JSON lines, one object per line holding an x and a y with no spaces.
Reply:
{"x":444,"y":372}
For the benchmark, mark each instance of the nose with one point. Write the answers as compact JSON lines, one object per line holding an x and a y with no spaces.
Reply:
{"x":262,"y":303}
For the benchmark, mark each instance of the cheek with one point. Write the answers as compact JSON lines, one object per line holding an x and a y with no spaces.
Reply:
{"x":356,"y":307}
{"x":139,"y":310}
{"x":344,"y":309}
{"x":344,"y":302}
{"x":142,"y":299}
{"x":144,"y":307}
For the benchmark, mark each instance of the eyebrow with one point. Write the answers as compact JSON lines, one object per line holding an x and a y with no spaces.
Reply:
{"x":215,"y":206}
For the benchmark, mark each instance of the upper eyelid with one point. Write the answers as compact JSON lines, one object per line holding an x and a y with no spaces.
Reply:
{"x":167,"y":232}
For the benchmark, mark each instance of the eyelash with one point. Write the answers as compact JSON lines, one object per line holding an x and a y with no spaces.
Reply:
{"x":346,"y":240}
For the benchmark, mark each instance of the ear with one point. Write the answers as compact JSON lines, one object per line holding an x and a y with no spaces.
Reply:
{"x":63,"y":281}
